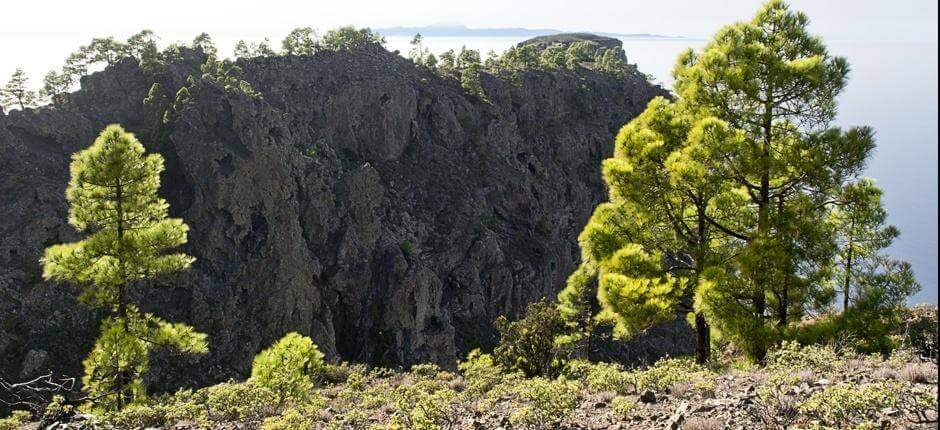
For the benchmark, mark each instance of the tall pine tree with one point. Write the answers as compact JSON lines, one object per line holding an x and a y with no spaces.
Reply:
{"x":113,"y":197}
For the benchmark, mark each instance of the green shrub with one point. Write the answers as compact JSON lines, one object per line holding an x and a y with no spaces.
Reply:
{"x":483,"y":375}
{"x":427,"y":404}
{"x":288,"y":367}
{"x":622,"y":406}
{"x":14,"y":421}
{"x":296,"y":418}
{"x":668,"y":371}
{"x":846,"y":405}
{"x":529,"y":344}
{"x":600,"y":376}
{"x":790,"y":356}
{"x":351,"y":39}
{"x":919,"y":329}
{"x":544,"y":403}
{"x":238,"y":401}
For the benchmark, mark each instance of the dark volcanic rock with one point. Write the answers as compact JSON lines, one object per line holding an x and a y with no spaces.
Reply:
{"x":363,"y":201}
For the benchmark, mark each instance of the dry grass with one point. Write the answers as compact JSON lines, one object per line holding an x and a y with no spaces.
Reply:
{"x":696,"y":423}
{"x":919,"y":373}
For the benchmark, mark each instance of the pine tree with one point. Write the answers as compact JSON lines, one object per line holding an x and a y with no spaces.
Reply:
{"x":155,"y":109}
{"x":777,"y":83}
{"x":651,"y":243}
{"x":55,"y":88}
{"x":106,"y":50}
{"x":113,"y":197}
{"x":468,"y":63}
{"x":204,"y":42}
{"x":300,"y":41}
{"x":17,"y":92}
{"x":861,"y":268}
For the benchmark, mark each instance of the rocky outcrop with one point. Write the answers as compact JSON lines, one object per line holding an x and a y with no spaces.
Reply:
{"x":363,"y":201}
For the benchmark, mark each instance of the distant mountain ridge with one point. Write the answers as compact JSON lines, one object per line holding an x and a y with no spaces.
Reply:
{"x":459,"y":30}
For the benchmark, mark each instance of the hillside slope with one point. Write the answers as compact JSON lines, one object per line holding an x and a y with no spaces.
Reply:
{"x":363,"y":201}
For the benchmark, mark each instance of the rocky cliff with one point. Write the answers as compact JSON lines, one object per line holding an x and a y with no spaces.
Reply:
{"x":363,"y":201}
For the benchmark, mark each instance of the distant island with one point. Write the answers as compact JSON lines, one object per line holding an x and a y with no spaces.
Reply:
{"x":463,"y":31}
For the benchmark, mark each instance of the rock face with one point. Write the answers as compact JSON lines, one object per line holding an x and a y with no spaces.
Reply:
{"x":362,"y":201}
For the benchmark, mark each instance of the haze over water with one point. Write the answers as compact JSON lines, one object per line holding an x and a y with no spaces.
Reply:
{"x":892,"y":88}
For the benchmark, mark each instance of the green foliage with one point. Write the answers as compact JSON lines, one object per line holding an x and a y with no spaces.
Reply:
{"x":16,"y":420}
{"x":667,"y":372}
{"x":55,"y":88}
{"x":468,"y":63}
{"x":622,"y":406}
{"x":552,"y":57}
{"x":227,"y":75}
{"x":351,"y":39}
{"x":113,"y":196}
{"x":847,"y":405}
{"x":579,"y":53}
{"x":254,"y":49}
{"x":238,"y":401}
{"x":420,"y":55}
{"x":288,"y":367}
{"x":529,"y":344}
{"x":156,"y":106}
{"x":296,"y":418}
{"x":919,"y":329}
{"x":17,"y":92}
{"x":204,"y":42}
{"x":790,"y":357}
{"x":484,"y":375}
{"x":300,"y":41}
{"x":544,"y":403}
{"x":519,"y":59}
{"x":447,"y":63}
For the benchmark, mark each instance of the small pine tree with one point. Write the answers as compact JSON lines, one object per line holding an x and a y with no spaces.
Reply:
{"x":468,"y":63}
{"x":204,"y":42}
{"x":17,"y":92}
{"x":55,"y":88}
{"x":155,"y":108}
{"x":289,"y":366}
{"x":113,"y":196}
{"x":300,"y":41}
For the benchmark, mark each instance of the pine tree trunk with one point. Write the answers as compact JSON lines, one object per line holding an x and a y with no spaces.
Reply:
{"x":702,"y":339}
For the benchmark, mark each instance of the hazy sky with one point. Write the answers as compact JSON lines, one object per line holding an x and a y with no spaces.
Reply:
{"x":37,"y":35}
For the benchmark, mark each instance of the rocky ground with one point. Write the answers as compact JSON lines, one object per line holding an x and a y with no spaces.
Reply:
{"x":798,"y":388}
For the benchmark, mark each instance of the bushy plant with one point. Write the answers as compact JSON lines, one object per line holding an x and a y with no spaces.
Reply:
{"x":238,"y":401}
{"x":919,"y":329}
{"x":790,"y":356}
{"x":288,"y":367}
{"x":483,"y":375}
{"x":351,"y":39}
{"x":668,"y":371}
{"x":296,"y":418}
{"x":600,"y":376}
{"x":622,"y":406}
{"x":847,"y":405}
{"x":529,"y":344}
{"x":14,"y":421}
{"x":544,"y":403}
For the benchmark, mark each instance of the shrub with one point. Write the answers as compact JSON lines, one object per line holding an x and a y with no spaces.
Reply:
{"x":846,"y":405}
{"x":600,"y":376}
{"x":14,"y":421}
{"x":351,"y":39}
{"x":294,"y":418}
{"x":790,"y":356}
{"x":698,"y":423}
{"x":528,"y":345}
{"x":239,"y":401}
{"x":483,"y":374}
{"x":622,"y":406}
{"x":288,"y":367}
{"x":543,"y":403}
{"x":919,"y":373}
{"x":919,"y":329}
{"x":428,"y":404}
{"x":669,"y":371}
{"x":774,"y":406}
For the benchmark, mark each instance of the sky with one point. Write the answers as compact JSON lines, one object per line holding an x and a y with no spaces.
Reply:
{"x":892,"y":46}
{"x":39,"y":48}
